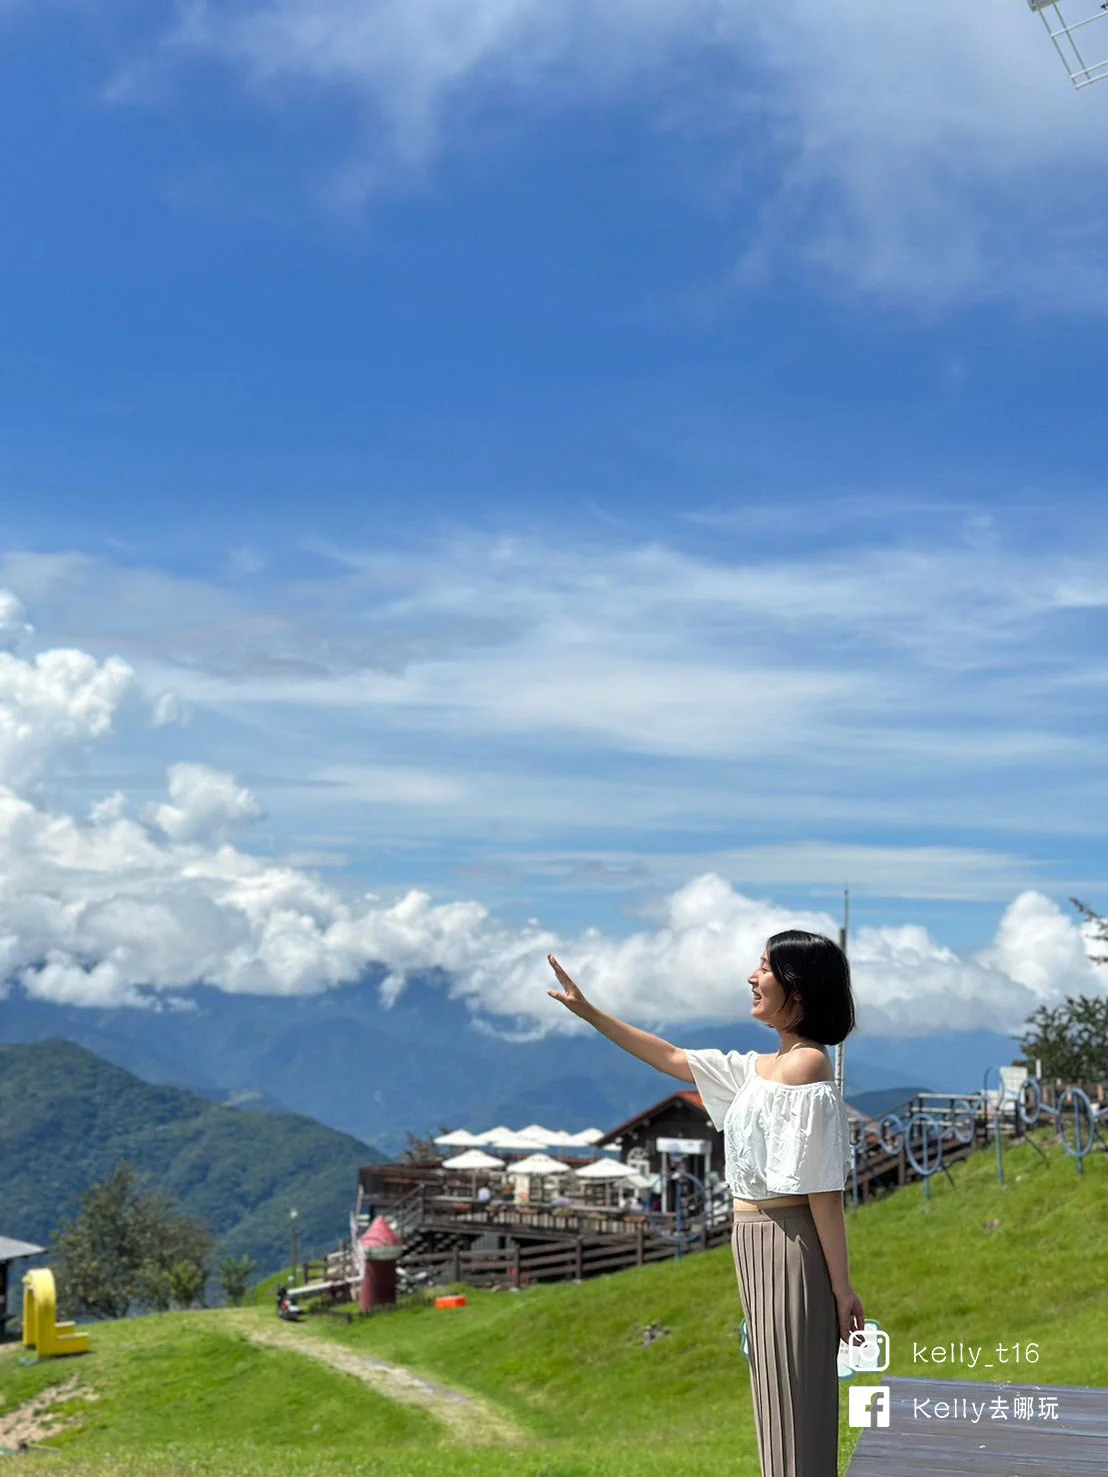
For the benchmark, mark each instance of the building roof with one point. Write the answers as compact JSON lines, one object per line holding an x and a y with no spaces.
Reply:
{"x":694,"y":1100}
{"x":11,"y":1250}
{"x":689,"y":1096}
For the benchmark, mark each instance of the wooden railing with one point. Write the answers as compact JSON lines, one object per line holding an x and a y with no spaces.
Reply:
{"x":577,"y":1258}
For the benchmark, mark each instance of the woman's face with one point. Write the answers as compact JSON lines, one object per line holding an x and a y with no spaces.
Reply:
{"x":769,"y":997}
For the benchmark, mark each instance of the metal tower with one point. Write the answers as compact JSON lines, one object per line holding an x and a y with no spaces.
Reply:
{"x":1074,"y":37}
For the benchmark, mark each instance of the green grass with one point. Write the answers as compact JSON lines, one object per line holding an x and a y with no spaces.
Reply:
{"x":183,"y":1394}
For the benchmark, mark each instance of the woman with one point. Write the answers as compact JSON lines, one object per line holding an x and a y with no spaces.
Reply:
{"x":787,"y":1155}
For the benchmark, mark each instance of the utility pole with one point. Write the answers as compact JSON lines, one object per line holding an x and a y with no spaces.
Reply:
{"x":840,"y":1050}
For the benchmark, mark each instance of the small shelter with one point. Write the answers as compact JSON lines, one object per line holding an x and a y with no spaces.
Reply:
{"x":380,"y":1249}
{"x":11,"y":1251}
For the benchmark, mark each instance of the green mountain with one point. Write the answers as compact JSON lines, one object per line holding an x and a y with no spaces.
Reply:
{"x":67,"y":1117}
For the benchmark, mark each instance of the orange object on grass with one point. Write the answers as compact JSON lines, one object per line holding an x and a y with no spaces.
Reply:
{"x":454,"y":1300}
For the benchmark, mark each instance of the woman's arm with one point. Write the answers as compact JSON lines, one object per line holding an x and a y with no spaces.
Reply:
{"x":827,"y":1212}
{"x":652,"y":1049}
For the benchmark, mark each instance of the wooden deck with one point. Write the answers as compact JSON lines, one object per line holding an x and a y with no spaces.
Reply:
{"x":911,"y":1445}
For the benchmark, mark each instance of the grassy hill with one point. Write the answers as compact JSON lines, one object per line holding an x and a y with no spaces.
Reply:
{"x":67,"y":1118}
{"x":979,"y":1262}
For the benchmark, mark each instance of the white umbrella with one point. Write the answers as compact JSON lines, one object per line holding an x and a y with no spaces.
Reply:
{"x":474,"y":1159}
{"x":539,"y":1164}
{"x":509,"y":1140}
{"x":458,"y":1137}
{"x":544,"y":1135}
{"x":490,"y":1135}
{"x":535,"y":1165}
{"x":605,"y":1169}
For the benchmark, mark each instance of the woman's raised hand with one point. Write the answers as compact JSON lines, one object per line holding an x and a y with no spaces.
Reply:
{"x":569,"y":994}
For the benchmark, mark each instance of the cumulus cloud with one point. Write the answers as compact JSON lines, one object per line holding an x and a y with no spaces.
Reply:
{"x":120,"y":909}
{"x":204,"y":805}
{"x":60,"y":701}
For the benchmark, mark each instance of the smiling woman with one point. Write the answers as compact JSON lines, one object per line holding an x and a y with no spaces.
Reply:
{"x":787,"y":1149}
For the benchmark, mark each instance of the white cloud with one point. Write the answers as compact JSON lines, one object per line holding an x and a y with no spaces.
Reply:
{"x":105,"y":912}
{"x":576,"y":696}
{"x":13,"y":626}
{"x":204,"y":805}
{"x":60,"y":701}
{"x":918,"y":149}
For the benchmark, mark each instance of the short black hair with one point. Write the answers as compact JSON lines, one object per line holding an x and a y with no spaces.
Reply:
{"x":814,"y":970}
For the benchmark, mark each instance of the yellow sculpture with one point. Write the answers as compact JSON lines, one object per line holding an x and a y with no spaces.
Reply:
{"x":41,"y":1329}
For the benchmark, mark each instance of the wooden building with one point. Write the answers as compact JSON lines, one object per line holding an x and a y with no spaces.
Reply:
{"x":680,"y":1115}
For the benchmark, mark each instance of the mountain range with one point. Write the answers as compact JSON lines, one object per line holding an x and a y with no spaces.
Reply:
{"x":425,"y":1063}
{"x":67,"y":1118}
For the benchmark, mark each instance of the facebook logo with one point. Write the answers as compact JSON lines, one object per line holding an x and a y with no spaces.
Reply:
{"x":869,"y":1405}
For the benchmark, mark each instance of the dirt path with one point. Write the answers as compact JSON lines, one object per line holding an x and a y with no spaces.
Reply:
{"x":37,"y":1418}
{"x":469,"y":1418}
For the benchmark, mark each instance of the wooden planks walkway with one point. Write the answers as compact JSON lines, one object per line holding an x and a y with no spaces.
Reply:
{"x":920,"y":1442}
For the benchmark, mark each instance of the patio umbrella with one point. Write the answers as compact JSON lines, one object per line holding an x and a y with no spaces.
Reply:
{"x":518,"y":1141}
{"x":539,"y":1164}
{"x":474,"y":1159}
{"x":544,"y":1135}
{"x":491,"y":1134}
{"x":558,"y":1136}
{"x":458,"y":1138}
{"x":534,"y":1166}
{"x":607,"y":1170}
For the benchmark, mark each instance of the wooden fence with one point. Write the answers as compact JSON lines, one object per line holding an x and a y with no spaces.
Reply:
{"x":562,"y":1261}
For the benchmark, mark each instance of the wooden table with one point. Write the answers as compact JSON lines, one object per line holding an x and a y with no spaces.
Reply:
{"x":918,"y":1442}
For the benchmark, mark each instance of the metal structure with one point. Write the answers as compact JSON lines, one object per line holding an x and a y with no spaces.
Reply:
{"x":840,"y":1050}
{"x":1076,"y":36}
{"x":1085,"y":1119}
{"x":923,"y":1134}
{"x":691,"y":1202}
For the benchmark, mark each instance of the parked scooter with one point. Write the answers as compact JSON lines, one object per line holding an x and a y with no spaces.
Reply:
{"x":409,"y":1280}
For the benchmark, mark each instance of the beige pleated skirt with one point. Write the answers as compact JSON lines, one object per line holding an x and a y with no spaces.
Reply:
{"x":792,"y":1324}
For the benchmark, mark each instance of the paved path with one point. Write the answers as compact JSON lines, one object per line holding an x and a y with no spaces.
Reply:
{"x":468,"y":1417}
{"x":967,"y":1440}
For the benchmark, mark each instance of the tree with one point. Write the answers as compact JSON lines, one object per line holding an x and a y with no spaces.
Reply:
{"x":127,"y":1245}
{"x":234,"y":1274}
{"x":1071,"y":1041}
{"x":422,"y":1151}
{"x":186,"y":1282}
{"x":1097,"y":925}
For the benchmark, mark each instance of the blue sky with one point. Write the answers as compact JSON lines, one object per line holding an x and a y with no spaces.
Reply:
{"x":637,"y":468}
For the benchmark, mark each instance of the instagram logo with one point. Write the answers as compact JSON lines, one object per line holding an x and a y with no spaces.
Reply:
{"x":868,"y":1349}
{"x":869,"y":1405}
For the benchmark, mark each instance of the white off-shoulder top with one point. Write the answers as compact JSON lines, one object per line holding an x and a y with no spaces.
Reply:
{"x":780,"y":1138}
